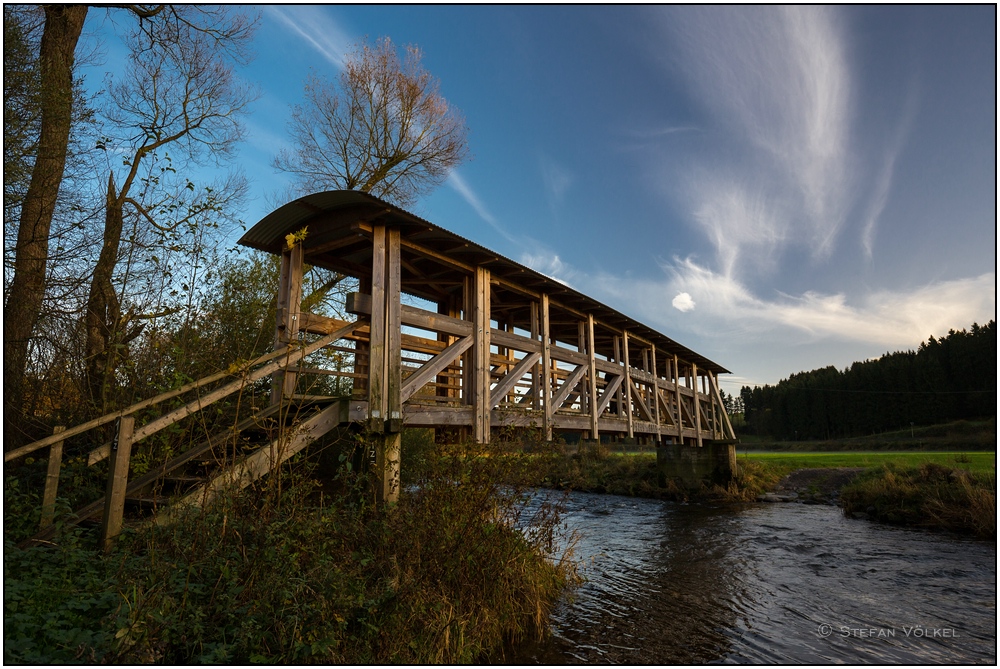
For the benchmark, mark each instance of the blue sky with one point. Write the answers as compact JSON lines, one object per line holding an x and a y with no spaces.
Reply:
{"x":779,"y":189}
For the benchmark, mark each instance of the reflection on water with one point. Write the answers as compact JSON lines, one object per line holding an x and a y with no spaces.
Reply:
{"x":776,"y":583}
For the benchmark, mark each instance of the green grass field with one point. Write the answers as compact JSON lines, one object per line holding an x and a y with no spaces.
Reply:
{"x":976,"y":462}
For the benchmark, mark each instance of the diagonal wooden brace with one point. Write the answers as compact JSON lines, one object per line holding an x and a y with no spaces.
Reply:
{"x":433,"y":367}
{"x":513,"y":376}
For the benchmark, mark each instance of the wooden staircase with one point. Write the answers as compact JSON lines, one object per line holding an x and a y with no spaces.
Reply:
{"x":230,"y":458}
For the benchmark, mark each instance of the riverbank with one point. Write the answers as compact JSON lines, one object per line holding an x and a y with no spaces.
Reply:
{"x":948,"y":491}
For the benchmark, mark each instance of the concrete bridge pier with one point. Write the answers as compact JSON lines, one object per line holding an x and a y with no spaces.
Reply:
{"x":692,"y":466}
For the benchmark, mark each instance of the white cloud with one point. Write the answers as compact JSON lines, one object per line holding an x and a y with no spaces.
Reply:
{"x":556,"y":180}
{"x":683,"y":302}
{"x":314,"y":25}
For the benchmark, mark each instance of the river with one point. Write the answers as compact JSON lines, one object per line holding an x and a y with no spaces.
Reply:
{"x":672,"y":583}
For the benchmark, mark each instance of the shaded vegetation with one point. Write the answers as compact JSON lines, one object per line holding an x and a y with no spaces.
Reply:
{"x":292,"y":570}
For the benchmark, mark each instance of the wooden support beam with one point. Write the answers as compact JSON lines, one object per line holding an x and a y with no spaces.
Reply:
{"x":641,"y":403}
{"x":434,"y":366}
{"x":52,"y":480}
{"x":376,"y":347}
{"x":697,"y":405}
{"x":481,"y":355}
{"x":546,"y":389}
{"x":726,"y":424}
{"x":628,"y":385}
{"x":655,"y":392}
{"x":507,"y":383}
{"x":536,"y":381}
{"x":613,"y":387}
{"x":677,"y":397}
{"x":568,"y":385}
{"x":592,"y":372}
{"x":388,"y":457}
{"x":114,"y":496}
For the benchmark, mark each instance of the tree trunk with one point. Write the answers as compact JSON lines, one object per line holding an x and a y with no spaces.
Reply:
{"x":63,"y":24}
{"x":103,"y":308}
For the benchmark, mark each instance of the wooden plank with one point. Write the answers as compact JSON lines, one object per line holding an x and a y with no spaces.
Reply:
{"x":359,"y":303}
{"x":609,"y":391}
{"x":433,"y":367}
{"x":515,"y":341}
{"x":666,"y":415}
{"x":52,"y":479}
{"x":628,"y":385}
{"x":568,"y":385}
{"x":114,"y":496}
{"x":592,"y":371}
{"x":512,"y":377}
{"x":292,"y":357}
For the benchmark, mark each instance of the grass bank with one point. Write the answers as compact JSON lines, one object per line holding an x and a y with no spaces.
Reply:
{"x":977,"y":461}
{"x":928,"y":495}
{"x":961,"y":435}
{"x":291,"y":571}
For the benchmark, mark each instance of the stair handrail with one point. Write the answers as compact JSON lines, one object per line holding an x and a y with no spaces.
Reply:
{"x":115,"y":415}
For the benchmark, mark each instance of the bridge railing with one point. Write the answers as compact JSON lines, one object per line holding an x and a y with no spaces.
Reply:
{"x":127,"y":435}
{"x":554,"y":386}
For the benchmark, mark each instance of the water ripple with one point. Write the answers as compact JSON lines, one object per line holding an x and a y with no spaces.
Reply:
{"x":680,"y":584}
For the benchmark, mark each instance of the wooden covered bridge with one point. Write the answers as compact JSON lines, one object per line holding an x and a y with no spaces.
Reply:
{"x":441,"y":333}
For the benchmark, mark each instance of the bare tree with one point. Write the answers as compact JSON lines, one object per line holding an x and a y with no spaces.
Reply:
{"x":385,"y":130}
{"x":178,"y":92}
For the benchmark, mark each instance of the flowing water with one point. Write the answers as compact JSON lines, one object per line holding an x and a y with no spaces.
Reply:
{"x":672,"y":583}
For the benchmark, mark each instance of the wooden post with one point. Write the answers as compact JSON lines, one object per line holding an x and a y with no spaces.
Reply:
{"x":377,"y":360}
{"x":677,"y":399}
{"x":287,"y":316}
{"x":581,"y":346}
{"x":114,"y":496}
{"x":52,"y":480}
{"x":619,"y":392}
{"x":656,"y":391}
{"x":388,"y":457}
{"x":697,"y":403}
{"x":628,"y":384}
{"x":481,"y":355}
{"x":592,"y":372}
{"x":546,"y":370}
{"x":536,"y":382}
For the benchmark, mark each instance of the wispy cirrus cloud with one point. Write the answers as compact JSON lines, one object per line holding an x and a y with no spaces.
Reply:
{"x":776,"y":85}
{"x":458,"y":183}
{"x":314,"y":25}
